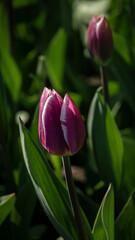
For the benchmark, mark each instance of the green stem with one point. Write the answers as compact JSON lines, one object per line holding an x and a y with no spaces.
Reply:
{"x":104,"y":85}
{"x":73,"y":198}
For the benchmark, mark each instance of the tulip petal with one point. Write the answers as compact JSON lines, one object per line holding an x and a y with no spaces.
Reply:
{"x":105,"y":45}
{"x":53,"y":135}
{"x":45,"y":94}
{"x":99,"y":40}
{"x":72,"y":125}
{"x":91,"y":37}
{"x":60,"y":99}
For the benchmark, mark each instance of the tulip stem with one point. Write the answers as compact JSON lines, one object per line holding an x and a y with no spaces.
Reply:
{"x":104,"y":85}
{"x":73,"y":198}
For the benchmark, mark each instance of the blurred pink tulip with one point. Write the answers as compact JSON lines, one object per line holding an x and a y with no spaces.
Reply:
{"x":61,"y":129}
{"x":99,"y":40}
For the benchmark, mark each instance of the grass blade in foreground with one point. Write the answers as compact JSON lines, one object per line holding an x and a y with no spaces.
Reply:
{"x":125,"y":223}
{"x":104,"y":223}
{"x":51,"y":193}
{"x":6,"y":205}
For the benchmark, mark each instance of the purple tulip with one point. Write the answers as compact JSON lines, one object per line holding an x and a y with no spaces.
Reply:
{"x":99,"y":40}
{"x":61,"y":129}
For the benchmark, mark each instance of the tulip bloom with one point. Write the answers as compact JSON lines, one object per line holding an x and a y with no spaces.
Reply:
{"x":61,"y":129}
{"x":99,"y":40}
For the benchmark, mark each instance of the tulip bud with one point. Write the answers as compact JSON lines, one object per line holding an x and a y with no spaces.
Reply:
{"x":61,"y":129}
{"x":99,"y":40}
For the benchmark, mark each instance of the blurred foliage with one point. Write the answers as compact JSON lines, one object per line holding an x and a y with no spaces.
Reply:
{"x":43,"y":43}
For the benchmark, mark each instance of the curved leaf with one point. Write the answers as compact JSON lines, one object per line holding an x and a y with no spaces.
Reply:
{"x":51,"y":193}
{"x":6,"y":205}
{"x":10,"y":73}
{"x":55,"y":59}
{"x":125,"y":223}
{"x":105,"y":141}
{"x":104,"y":223}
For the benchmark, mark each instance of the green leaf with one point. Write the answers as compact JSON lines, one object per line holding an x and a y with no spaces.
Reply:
{"x":129,"y":164}
{"x":4,"y":30}
{"x":104,"y":224}
{"x":11,"y":74}
{"x":6,"y":205}
{"x":23,"y":3}
{"x":125,"y":223}
{"x":79,"y":84}
{"x":119,"y":43}
{"x":22,"y":213}
{"x":89,"y":206}
{"x":41,"y":68}
{"x":105,"y":141}
{"x":4,"y":109}
{"x":34,"y":125}
{"x":51,"y":193}
{"x":55,"y":59}
{"x":121,"y":68}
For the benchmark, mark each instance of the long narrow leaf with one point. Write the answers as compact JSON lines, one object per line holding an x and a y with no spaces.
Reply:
{"x":105,"y":141}
{"x":104,"y":223}
{"x":6,"y":205}
{"x":125,"y":223}
{"x":51,"y":193}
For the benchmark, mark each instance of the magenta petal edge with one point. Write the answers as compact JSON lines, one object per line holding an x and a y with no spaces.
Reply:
{"x":61,"y":129}
{"x":99,"y":40}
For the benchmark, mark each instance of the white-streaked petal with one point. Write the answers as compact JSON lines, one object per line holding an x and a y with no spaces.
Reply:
{"x":53,"y":135}
{"x":72,"y":125}
{"x":45,"y":94}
